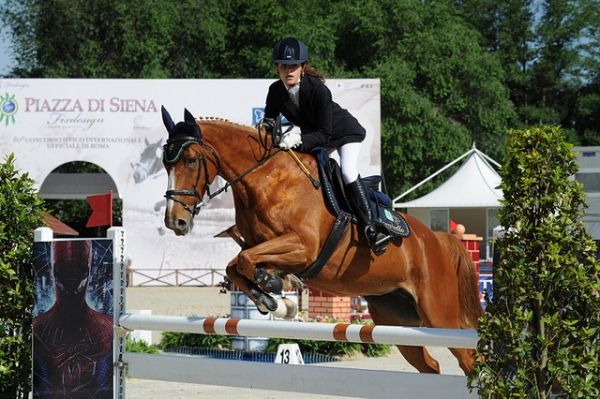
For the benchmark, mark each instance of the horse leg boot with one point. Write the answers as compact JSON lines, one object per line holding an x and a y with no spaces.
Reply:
{"x":360,"y":205}
{"x":263,"y":301}
{"x":286,"y":250}
{"x":267,"y":281}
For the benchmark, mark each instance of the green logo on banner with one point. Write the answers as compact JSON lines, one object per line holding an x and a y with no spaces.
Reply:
{"x":8,"y":109}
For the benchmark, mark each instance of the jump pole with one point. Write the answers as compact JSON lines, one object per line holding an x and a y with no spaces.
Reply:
{"x":393,"y":335}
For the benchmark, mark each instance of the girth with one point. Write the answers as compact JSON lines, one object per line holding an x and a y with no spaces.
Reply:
{"x":335,"y":235}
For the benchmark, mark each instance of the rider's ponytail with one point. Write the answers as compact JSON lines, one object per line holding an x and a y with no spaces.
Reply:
{"x":315,"y":73}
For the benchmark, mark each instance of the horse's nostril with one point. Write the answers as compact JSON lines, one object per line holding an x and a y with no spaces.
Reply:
{"x":181,"y":223}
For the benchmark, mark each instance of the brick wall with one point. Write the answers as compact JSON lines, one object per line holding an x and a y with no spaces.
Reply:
{"x":322,"y":304}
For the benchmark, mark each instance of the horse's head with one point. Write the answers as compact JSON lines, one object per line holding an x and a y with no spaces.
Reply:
{"x":149,"y":163}
{"x":185,"y":158}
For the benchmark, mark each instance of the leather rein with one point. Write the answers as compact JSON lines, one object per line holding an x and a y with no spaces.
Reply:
{"x":186,"y":141}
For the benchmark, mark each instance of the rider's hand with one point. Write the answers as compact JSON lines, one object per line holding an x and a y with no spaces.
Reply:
{"x":290,"y":140}
{"x":269,"y":124}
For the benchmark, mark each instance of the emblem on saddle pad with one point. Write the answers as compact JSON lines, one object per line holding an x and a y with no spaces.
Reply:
{"x":394,"y":223}
{"x":388,"y":214}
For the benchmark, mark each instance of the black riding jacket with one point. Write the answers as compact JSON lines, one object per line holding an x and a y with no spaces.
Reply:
{"x":322,"y":122}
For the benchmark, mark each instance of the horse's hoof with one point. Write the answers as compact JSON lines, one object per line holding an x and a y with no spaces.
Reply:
{"x":262,"y":310}
{"x":267,"y":301}
{"x":286,"y":308}
{"x":275,"y":285}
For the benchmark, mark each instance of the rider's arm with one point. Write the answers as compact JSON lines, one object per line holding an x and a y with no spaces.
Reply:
{"x":321,"y":105}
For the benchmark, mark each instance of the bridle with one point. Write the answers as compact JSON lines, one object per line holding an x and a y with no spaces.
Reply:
{"x":178,"y":145}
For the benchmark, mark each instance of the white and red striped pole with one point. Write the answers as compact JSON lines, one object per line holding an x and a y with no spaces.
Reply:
{"x":394,"y":335}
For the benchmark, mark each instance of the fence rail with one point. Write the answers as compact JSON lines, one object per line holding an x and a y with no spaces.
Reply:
{"x":198,"y":277}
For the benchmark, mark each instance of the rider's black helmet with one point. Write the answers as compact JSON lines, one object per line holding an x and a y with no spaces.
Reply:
{"x":290,"y":51}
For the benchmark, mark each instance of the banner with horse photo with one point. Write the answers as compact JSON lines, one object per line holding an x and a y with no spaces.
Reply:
{"x":116,"y":124}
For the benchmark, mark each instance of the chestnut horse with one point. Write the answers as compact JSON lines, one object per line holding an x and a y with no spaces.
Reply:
{"x":427,"y":279}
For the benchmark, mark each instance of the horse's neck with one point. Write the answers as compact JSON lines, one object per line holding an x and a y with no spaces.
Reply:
{"x":238,"y":148}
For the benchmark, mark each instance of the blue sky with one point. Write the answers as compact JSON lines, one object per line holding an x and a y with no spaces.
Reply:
{"x":5,"y":54}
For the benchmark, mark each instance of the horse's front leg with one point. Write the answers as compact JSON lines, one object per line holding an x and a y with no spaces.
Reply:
{"x":263,"y":301}
{"x":286,"y":253}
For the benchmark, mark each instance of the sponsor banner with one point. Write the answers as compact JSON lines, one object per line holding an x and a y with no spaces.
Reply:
{"x":117,"y":125}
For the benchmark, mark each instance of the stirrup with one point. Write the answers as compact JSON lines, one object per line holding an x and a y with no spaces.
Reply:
{"x":377,"y":240}
{"x":381,"y":244}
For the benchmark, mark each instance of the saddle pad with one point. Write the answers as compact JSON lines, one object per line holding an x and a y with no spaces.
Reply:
{"x":391,"y":221}
{"x":335,"y":197}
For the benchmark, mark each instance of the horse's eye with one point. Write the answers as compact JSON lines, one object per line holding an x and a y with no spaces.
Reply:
{"x":191,"y":162}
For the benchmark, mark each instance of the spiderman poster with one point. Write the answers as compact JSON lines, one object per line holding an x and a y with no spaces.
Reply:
{"x":73,"y":319}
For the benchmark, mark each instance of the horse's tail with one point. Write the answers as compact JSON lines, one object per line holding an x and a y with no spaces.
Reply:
{"x":468,"y":286}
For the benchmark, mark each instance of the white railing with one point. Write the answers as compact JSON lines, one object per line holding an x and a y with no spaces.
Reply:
{"x":193,"y":277}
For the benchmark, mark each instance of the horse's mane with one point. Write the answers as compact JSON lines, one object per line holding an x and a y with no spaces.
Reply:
{"x":219,"y":120}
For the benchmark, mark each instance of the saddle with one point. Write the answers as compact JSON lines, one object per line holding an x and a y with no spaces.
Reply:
{"x":386,"y":220}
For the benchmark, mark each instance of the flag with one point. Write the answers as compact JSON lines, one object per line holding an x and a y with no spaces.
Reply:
{"x":101,"y":210}
{"x":452,"y":225}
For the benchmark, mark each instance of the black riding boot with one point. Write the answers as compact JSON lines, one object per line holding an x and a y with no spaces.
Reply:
{"x":360,"y":205}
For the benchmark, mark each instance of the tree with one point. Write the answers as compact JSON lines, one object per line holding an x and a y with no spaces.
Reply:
{"x":440,"y":93}
{"x":439,"y":85}
{"x":20,"y":214}
{"x":549,"y":53}
{"x":507,"y":30}
{"x":587,"y":113}
{"x":541,"y":330}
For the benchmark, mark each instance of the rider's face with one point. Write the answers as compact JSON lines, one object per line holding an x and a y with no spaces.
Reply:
{"x":290,"y":74}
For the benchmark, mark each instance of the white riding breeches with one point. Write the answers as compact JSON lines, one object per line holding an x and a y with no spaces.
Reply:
{"x":349,"y":161}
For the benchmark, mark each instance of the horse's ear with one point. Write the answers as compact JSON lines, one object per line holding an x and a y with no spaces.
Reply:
{"x":167,"y":120}
{"x":188,"y":117}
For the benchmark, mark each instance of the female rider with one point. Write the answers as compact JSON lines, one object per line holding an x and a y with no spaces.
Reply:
{"x":302,"y":97}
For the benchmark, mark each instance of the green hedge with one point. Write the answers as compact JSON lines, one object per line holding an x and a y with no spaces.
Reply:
{"x":20,"y":214}
{"x":541,"y":332}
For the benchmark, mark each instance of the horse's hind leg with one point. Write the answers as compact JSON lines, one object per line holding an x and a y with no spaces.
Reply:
{"x":398,"y":309}
{"x":420,"y":359}
{"x":440,"y":308}
{"x":466,"y":358}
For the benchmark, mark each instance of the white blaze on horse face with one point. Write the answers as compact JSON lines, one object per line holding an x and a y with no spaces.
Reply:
{"x":170,"y":186}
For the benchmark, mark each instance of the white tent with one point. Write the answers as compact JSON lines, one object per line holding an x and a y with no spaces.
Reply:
{"x":474,"y":184}
{"x":471,"y":196}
